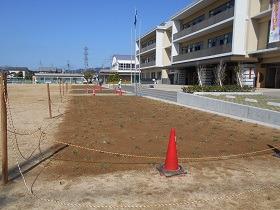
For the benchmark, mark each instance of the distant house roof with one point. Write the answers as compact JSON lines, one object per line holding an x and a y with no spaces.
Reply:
{"x":48,"y":70}
{"x":124,"y":57}
{"x":58,"y":75}
{"x":11,"y":68}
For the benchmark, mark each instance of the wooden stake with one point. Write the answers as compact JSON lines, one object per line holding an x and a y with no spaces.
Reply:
{"x":49,"y":100}
{"x":63,"y":88}
{"x":60,"y":90}
{"x":66,"y":88}
{"x":3,"y":131}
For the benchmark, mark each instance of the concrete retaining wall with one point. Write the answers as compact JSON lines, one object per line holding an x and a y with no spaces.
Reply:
{"x":161,"y":94}
{"x":237,"y":110}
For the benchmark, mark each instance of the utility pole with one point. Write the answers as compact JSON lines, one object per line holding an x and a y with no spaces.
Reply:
{"x":3,"y":90}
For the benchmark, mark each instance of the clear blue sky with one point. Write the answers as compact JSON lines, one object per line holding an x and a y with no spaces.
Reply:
{"x":54,"y":31}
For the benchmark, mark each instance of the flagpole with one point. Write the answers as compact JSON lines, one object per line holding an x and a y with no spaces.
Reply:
{"x":139,"y":72}
{"x":135,"y":35}
{"x":131,"y":53}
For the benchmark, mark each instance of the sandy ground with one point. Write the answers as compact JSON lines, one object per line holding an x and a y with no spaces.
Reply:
{"x":27,"y":113}
{"x":75,"y":179}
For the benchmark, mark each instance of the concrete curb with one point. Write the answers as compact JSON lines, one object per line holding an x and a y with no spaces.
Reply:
{"x":229,"y":93}
{"x":251,"y":113}
{"x":217,"y":113}
{"x":241,"y":112}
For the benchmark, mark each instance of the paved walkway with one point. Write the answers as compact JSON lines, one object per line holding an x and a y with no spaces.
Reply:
{"x":154,"y":92}
{"x":273,"y":93}
{"x":168,"y":89}
{"x":174,"y":88}
{"x":270,"y":92}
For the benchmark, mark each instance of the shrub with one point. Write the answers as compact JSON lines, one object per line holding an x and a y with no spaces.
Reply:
{"x":114,"y":78}
{"x":226,"y":88}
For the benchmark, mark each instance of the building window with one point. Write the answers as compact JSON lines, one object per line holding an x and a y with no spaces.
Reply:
{"x":193,"y":22}
{"x":220,"y":40}
{"x":147,"y":75}
{"x":148,"y":59}
{"x":159,"y":75}
{"x":148,"y":43}
{"x":211,"y":43}
{"x":221,"y":8}
{"x":268,"y":33}
{"x":121,"y":66}
{"x":191,"y":48}
{"x":198,"y":46}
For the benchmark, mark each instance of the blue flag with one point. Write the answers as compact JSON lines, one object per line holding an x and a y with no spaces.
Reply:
{"x":135,"y":20}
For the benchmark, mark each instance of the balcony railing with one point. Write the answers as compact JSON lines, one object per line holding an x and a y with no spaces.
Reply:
{"x":203,"y":53}
{"x":206,"y":23}
{"x":145,"y":49}
{"x":143,"y":65}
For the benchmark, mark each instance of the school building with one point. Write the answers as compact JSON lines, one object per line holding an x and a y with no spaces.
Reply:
{"x":207,"y":34}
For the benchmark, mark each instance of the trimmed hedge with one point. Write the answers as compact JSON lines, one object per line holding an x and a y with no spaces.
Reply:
{"x":226,"y":88}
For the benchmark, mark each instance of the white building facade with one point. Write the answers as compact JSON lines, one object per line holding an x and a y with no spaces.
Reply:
{"x":124,"y":66}
{"x":123,"y":63}
{"x":208,"y":34}
{"x":154,"y":53}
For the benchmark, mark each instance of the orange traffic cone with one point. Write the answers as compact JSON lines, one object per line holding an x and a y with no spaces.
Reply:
{"x":120,"y":92}
{"x":171,"y":166}
{"x":171,"y":161}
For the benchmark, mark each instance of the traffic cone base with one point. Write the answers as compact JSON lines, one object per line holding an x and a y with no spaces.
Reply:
{"x":167,"y":173}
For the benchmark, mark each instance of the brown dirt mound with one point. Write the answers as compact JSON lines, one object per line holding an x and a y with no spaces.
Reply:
{"x":141,"y":126}
{"x":84,"y":86}
{"x":90,"y":91}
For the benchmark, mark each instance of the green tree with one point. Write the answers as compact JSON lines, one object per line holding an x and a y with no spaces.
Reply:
{"x":88,"y":75}
{"x":114,"y":78}
{"x":28,"y":75}
{"x":19,"y":74}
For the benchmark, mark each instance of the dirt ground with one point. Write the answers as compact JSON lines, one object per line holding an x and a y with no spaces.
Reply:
{"x":28,"y":111}
{"x":76,"y":178}
{"x":88,"y":89}
{"x":140,"y":126}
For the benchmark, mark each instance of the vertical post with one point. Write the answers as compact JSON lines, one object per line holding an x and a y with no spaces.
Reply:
{"x":63,"y":88}
{"x":66,"y":87}
{"x":49,"y":100}
{"x":276,"y":77}
{"x":60,"y":90}
{"x":131,"y":43}
{"x":3,"y":89}
{"x":135,"y":35}
{"x":139,"y":71}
